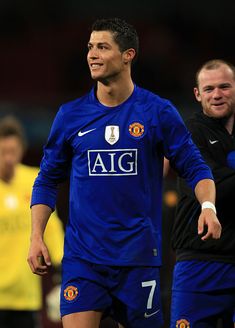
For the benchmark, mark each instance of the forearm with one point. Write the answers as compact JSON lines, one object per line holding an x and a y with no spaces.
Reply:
{"x":205,"y":191}
{"x":40,"y":215}
{"x":39,"y":258}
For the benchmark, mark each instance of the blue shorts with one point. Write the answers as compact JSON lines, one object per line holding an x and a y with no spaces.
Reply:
{"x":202,"y":309}
{"x":202,"y":294}
{"x":131,"y":295}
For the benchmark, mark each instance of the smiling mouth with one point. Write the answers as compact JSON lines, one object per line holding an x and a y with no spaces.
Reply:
{"x":219,"y":104}
{"x":94,"y":66}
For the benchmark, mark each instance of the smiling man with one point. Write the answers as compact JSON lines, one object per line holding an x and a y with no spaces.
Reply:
{"x":205,"y":272}
{"x":111,"y":144}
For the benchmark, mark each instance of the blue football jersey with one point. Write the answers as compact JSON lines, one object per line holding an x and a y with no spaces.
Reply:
{"x":114,"y":159}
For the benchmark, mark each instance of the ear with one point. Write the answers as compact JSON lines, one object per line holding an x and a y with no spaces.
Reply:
{"x":197,"y":94}
{"x":128,"y":55}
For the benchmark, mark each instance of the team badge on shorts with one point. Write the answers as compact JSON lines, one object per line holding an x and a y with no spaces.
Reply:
{"x":136,"y":129}
{"x":70,"y":293}
{"x":182,"y":323}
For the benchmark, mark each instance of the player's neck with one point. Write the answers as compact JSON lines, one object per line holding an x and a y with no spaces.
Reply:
{"x":114,"y":93}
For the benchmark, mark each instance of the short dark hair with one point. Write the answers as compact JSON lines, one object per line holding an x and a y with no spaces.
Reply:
{"x":124,"y":34}
{"x":10,"y":126}
{"x":214,"y":64}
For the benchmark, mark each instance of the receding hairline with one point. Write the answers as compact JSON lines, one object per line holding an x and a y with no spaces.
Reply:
{"x":215,"y":64}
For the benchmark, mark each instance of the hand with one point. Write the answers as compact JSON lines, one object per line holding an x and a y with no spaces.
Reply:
{"x":39,"y":258}
{"x":209,"y":219}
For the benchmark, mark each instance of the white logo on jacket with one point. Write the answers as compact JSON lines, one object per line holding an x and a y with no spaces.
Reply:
{"x":212,"y":142}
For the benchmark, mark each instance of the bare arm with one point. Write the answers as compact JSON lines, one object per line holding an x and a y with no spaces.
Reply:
{"x":39,"y":258}
{"x":205,"y":191}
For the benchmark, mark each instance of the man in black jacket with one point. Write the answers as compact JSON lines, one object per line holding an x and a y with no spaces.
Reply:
{"x":203,"y":289}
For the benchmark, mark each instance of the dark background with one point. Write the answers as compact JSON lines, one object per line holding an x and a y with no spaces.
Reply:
{"x":43,"y":46}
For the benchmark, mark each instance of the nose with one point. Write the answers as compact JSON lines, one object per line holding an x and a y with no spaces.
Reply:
{"x":93,"y":53}
{"x":217,"y":93}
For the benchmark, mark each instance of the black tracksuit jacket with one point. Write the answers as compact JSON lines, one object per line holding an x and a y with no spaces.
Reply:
{"x":215,"y":143}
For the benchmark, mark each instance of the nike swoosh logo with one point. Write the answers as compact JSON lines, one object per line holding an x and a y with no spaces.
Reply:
{"x":212,"y":142}
{"x":80,"y":133}
{"x":147,"y":315}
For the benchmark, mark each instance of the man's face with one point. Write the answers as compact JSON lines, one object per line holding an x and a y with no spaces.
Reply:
{"x":11,"y":152}
{"x":104,"y":57}
{"x":216,"y":91}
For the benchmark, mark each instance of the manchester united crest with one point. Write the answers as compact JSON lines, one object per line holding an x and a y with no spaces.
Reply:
{"x":136,"y":129}
{"x":182,"y":323}
{"x":70,"y":293}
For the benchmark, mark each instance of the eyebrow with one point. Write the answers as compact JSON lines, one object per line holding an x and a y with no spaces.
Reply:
{"x":98,"y":44}
{"x":220,"y":85}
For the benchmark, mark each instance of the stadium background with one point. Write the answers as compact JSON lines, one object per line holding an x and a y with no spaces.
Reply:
{"x":43,"y":47}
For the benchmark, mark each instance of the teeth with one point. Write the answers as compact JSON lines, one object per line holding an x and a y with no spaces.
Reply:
{"x":95,"y":65}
